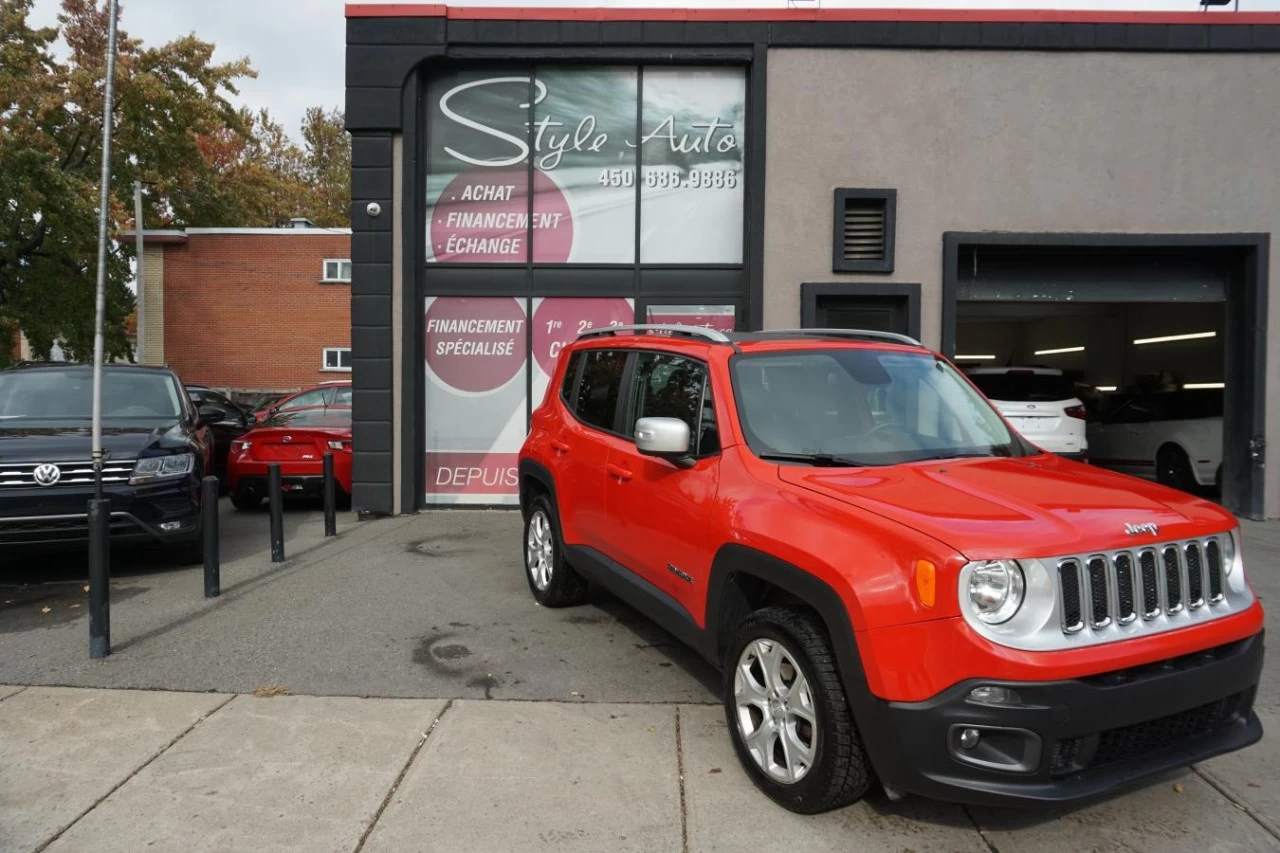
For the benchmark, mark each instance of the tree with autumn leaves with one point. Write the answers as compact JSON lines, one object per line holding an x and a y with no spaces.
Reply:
{"x":206,"y":163}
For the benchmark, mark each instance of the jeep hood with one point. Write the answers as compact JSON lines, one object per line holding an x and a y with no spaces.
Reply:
{"x":1040,"y":506}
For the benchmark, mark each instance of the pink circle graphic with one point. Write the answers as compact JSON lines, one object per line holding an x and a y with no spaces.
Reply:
{"x":482,"y":216}
{"x":557,"y":322}
{"x":475,"y":344}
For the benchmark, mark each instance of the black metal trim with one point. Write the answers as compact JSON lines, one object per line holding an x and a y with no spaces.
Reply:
{"x":1244,"y":421}
{"x":810,"y":292}
{"x":842,"y":197}
{"x":753,"y":213}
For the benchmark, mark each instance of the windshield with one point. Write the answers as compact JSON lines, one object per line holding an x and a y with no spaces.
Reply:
{"x":57,"y":396}
{"x":864,"y":407}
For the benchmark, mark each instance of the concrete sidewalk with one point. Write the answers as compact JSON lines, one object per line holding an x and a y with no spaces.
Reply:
{"x":122,"y":770}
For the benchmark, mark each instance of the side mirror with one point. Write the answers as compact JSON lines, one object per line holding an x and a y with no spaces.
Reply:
{"x":210,"y":414}
{"x":666,"y":438}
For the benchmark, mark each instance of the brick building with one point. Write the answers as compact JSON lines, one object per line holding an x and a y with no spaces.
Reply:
{"x":247,"y":309}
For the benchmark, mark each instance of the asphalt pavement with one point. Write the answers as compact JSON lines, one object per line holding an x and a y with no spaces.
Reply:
{"x":428,"y":615}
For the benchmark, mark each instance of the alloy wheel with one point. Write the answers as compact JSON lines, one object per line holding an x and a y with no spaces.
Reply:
{"x":775,"y":711}
{"x":539,"y":550}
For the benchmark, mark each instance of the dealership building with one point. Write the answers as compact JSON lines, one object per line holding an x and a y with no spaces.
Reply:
{"x":1089,"y":191}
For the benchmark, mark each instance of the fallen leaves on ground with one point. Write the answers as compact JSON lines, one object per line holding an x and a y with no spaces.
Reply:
{"x":267,"y":691}
{"x":46,"y":609}
{"x":1177,"y":788}
{"x":714,"y":770}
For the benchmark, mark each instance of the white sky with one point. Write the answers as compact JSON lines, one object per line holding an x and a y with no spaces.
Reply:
{"x":297,"y":46}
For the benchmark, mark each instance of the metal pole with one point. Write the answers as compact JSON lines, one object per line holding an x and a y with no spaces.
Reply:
{"x":104,"y":195}
{"x":139,"y":278}
{"x":275,"y":500}
{"x":99,"y":580}
{"x":209,"y":509}
{"x":330,"y":498}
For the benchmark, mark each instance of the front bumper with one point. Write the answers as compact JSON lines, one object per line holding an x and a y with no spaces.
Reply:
{"x":166,"y":512}
{"x":1071,"y":738}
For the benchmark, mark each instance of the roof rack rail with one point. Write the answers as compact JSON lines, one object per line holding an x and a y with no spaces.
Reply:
{"x":715,"y":337}
{"x":861,"y":334}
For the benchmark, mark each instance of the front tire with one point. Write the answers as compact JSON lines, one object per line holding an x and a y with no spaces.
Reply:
{"x":787,"y":713}
{"x":551,"y":580}
{"x":1173,"y":468}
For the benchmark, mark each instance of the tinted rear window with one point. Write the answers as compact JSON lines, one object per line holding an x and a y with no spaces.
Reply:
{"x":329,"y":417}
{"x":1024,"y":387}
{"x":596,"y":401}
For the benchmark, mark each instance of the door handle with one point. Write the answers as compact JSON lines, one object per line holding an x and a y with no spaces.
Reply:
{"x":559,"y":447}
{"x":617,"y":471}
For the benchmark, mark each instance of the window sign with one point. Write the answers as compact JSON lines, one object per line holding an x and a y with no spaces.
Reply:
{"x":722,"y":318}
{"x":577,"y":129}
{"x":557,"y":322}
{"x":476,"y":358}
{"x":584,"y":122}
{"x":691,"y":162}
{"x":477,"y":167}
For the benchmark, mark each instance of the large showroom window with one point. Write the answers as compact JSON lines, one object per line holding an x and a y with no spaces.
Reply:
{"x":605,"y":149}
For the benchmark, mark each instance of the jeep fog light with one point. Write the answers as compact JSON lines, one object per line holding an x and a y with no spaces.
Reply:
{"x":990,"y":694}
{"x":996,"y":590}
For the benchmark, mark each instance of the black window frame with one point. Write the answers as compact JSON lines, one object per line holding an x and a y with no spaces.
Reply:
{"x":628,"y":418}
{"x":842,"y":196}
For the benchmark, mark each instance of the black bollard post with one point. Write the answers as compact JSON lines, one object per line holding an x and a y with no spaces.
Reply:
{"x":330,"y":498}
{"x":99,"y":578}
{"x":212,"y":566}
{"x":275,"y":499}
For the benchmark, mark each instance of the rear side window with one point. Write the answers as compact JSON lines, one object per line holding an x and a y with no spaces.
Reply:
{"x":570,"y":379}
{"x":1024,"y":387}
{"x":670,"y":386}
{"x":596,"y":400}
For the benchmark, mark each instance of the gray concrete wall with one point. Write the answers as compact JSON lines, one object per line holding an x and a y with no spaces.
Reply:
{"x":1017,"y":141}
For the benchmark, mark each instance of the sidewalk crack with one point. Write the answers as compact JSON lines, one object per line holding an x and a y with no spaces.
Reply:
{"x":143,"y":766}
{"x":404,"y":771}
{"x":991,"y":845}
{"x":14,"y":693}
{"x":684,"y":811}
{"x":1236,"y":800}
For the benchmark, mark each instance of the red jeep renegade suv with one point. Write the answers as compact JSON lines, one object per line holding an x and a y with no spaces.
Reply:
{"x":895,"y":584}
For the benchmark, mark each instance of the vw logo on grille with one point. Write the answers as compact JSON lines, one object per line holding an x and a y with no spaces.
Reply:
{"x":47,"y":474}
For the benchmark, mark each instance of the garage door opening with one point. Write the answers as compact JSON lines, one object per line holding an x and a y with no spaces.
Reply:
{"x":1155,"y":346}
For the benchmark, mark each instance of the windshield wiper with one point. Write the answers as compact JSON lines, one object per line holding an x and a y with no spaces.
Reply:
{"x":820,"y":460}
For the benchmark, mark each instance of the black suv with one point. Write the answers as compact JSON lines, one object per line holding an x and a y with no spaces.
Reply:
{"x":157,"y":449}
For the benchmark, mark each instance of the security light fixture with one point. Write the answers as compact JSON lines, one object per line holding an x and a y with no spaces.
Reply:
{"x":1164,"y":339}
{"x":1059,"y":350}
{"x":1104,"y":387}
{"x":1202,"y":386}
{"x":975,"y":358}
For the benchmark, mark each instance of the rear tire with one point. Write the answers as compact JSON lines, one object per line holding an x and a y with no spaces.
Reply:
{"x":1173,"y":468}
{"x":788,"y":715}
{"x":551,"y":580}
{"x":245,"y":502}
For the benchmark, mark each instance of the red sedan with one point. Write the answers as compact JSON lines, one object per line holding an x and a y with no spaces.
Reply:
{"x":298,"y":440}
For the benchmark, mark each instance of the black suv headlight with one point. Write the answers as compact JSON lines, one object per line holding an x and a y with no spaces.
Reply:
{"x":154,"y":468}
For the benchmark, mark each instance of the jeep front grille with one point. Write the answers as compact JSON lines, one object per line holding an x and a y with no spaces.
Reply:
{"x":21,"y":475}
{"x":1169,"y":579}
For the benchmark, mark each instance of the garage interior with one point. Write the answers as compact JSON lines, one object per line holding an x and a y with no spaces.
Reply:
{"x":1120,"y":319}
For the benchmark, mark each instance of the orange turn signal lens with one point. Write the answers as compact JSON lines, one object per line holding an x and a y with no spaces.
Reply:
{"x":926,"y":582}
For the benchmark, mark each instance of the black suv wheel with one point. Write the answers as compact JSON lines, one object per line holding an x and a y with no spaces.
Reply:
{"x":551,"y":580}
{"x":788,"y":715}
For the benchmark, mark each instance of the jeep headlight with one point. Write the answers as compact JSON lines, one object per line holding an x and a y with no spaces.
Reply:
{"x":996,"y":590}
{"x":154,"y":468}
{"x":1229,"y":552}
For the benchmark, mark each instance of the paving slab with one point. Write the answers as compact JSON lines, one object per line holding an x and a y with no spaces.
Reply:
{"x":1249,"y":775}
{"x":1176,"y":813}
{"x":63,"y":749}
{"x":282,"y":774}
{"x":534,"y":776}
{"x":727,"y":812}
{"x":6,"y":691}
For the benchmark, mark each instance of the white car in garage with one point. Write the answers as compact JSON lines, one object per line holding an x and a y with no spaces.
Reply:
{"x":1174,"y":437}
{"x":1040,"y":403}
